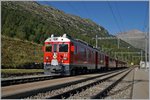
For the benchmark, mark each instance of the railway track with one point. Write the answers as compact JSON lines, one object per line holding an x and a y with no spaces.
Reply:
{"x":34,"y":92}
{"x":124,"y":89}
{"x":104,"y":92}
{"x":27,"y":79}
{"x":74,"y":93}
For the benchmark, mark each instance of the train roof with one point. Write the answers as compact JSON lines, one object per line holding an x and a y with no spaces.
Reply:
{"x":64,"y":38}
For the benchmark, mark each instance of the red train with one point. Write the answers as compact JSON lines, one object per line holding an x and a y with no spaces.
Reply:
{"x":67,"y":56}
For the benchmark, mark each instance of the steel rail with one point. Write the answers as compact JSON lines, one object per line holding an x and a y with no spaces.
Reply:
{"x":27,"y":79}
{"x":29,"y":93}
{"x":79,"y":89}
{"x":104,"y":93}
{"x":19,"y":80}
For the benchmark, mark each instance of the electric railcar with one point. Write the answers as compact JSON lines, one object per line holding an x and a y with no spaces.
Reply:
{"x":67,"y":56}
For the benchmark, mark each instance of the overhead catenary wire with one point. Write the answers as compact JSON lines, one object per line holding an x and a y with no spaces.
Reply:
{"x":73,"y":8}
{"x":86,"y":12}
{"x":115,"y":19}
{"x":146,"y":17}
{"x":120,"y":17}
{"x":146,"y":31}
{"x":89,"y":16}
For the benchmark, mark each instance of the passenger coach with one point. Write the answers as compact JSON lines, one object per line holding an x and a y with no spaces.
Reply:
{"x":67,"y":56}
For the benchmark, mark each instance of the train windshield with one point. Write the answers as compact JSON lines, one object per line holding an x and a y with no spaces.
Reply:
{"x":63,"y":47}
{"x":55,"y":48}
{"x":48,"y":48}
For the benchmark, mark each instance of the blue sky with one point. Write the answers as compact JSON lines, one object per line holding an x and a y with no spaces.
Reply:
{"x":115,"y":16}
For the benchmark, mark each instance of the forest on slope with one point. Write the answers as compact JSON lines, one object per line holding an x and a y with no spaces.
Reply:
{"x":34,"y":22}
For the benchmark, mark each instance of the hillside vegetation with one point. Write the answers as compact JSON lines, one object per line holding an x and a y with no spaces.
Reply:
{"x":17,"y":53}
{"x":34,"y":22}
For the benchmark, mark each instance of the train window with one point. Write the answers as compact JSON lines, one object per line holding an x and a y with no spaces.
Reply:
{"x":63,"y":47}
{"x":55,"y":48}
{"x":48,"y":48}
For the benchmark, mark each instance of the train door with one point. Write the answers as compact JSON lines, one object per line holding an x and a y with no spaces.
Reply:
{"x":107,"y":62}
{"x":116,"y":63}
{"x":72,"y":52}
{"x":96,"y":60}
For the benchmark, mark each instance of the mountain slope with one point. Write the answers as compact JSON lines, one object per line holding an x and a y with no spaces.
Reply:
{"x":134,"y":37}
{"x":34,"y":22}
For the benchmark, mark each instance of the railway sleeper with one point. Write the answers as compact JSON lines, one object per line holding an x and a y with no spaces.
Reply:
{"x":104,"y":93}
{"x":79,"y":89}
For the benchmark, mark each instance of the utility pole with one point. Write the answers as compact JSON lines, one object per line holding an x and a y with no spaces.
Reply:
{"x":118,"y":42}
{"x":96,"y":41}
{"x":115,"y":55}
{"x":141,"y":55}
{"x":145,"y":51}
{"x":121,"y":55}
{"x":146,"y":46}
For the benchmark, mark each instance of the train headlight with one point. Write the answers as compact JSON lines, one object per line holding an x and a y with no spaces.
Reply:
{"x":65,"y":58}
{"x":46,"y":58}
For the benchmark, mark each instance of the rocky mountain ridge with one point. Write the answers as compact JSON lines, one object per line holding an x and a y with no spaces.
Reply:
{"x":134,"y":37}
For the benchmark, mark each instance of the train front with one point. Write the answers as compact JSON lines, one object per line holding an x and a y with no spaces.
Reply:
{"x":57,"y":55}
